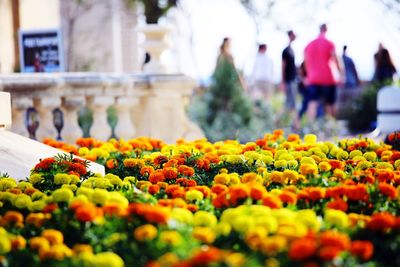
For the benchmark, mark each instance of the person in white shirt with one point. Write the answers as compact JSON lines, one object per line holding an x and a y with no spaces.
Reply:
{"x":262,"y":75}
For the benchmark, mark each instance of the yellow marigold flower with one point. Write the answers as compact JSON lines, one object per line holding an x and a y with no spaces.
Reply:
{"x":234,"y":178}
{"x":341,"y":155}
{"x":38,"y":243}
{"x":280,"y":164}
{"x":24,"y":185}
{"x":355,"y":153}
{"x":307,"y":160}
{"x":171,"y":237}
{"x":397,"y":164}
{"x":271,"y":262}
{"x":359,"y":158}
{"x":5,"y":244}
{"x":62,"y":178}
{"x":145,"y":232}
{"x":53,"y":236}
{"x":292,"y":164}
{"x":194,"y":195}
{"x":339,"y":174}
{"x":74,"y":179}
{"x":99,"y":196}
{"x":56,"y":252}
{"x":22,"y":201}
{"x":286,"y":157}
{"x":130,"y":179}
{"x":36,"y":219}
{"x":7,"y":183}
{"x":267,"y":160}
{"x":363,"y":165}
{"x":243,"y":224}
{"x":62,"y":195}
{"x":384,"y":165}
{"x":292,"y":230}
{"x":371,"y":156}
{"x":84,"y":191}
{"x":83,"y":151}
{"x":310,"y":139}
{"x":308,"y":169}
{"x":223,"y":229}
{"x":107,"y":259}
{"x":38,"y":205}
{"x":336,"y":218}
{"x":289,"y":175}
{"x":235,"y":259}
{"x":204,"y":234}
{"x":114,"y":179}
{"x":323,"y":147}
{"x":222,"y":178}
{"x":277,"y":177}
{"x":182,"y":215}
{"x":324,"y":166}
{"x":168,"y":259}
{"x":204,"y":218}
{"x":309,"y":219}
{"x":117,"y":198}
{"x":72,"y":187}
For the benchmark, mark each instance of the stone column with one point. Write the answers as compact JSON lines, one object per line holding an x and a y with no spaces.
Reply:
{"x":19,"y":106}
{"x":99,"y":104}
{"x":71,"y":106}
{"x":45,"y":106}
{"x":125,"y":128}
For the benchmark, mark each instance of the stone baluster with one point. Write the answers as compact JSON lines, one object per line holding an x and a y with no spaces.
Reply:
{"x":19,"y":107}
{"x":45,"y":106}
{"x":99,"y":104}
{"x":125,"y":128}
{"x":71,"y":106}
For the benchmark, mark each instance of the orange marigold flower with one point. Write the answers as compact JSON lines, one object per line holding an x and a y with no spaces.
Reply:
{"x":36,"y":219}
{"x":111,"y":163}
{"x":154,"y":189}
{"x":381,"y":221}
{"x":272,"y":201}
{"x":145,"y":232}
{"x":357,"y":192}
{"x":192,"y":207}
{"x":388,"y":190}
{"x":156,"y":176}
{"x":186,"y":170}
{"x":207,"y":256}
{"x":238,"y":192}
{"x":220,"y":201}
{"x":315,"y":193}
{"x":302,"y":249}
{"x":362,"y":249}
{"x":170,"y":173}
{"x":14,"y":218}
{"x":86,"y":213}
{"x":329,"y":253}
{"x":53,"y":236}
{"x":335,"y":239}
{"x":288,"y":197}
{"x":384,"y":175}
{"x":160,"y":160}
{"x":338,"y":204}
{"x":336,"y":164}
{"x":219,"y":188}
{"x":18,"y":242}
{"x":44,"y":164}
{"x":257,"y":192}
{"x":146,"y":170}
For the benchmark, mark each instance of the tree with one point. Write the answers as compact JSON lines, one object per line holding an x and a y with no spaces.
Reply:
{"x":16,"y":25}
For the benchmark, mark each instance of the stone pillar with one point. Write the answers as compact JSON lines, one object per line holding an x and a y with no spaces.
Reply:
{"x":71,"y":106}
{"x":99,"y":104}
{"x":125,"y":128}
{"x":164,"y":111}
{"x":19,"y":106}
{"x":45,"y":106}
{"x":388,"y":109}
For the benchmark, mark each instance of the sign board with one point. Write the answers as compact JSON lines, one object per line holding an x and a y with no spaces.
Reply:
{"x":41,"y":50}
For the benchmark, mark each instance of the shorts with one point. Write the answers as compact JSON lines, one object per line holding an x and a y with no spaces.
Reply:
{"x":326,"y":93}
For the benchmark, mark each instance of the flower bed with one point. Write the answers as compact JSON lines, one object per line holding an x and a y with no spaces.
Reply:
{"x":273,"y":202}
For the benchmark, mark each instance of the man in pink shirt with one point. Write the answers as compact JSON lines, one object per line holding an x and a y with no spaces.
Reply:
{"x":321,"y":62}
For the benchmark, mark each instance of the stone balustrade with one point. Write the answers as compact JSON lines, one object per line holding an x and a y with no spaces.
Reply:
{"x":48,"y":105}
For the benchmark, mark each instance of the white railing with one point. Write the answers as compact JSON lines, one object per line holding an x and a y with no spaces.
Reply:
{"x":47,"y":105}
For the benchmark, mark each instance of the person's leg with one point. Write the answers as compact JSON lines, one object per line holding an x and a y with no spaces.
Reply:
{"x":313,"y":101}
{"x":330,"y":99}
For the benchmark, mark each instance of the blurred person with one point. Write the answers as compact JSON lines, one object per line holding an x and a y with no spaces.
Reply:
{"x":384,"y":67}
{"x":225,"y":56}
{"x":262,"y":75}
{"x":322,"y":64}
{"x":351,"y":75}
{"x":288,"y":83}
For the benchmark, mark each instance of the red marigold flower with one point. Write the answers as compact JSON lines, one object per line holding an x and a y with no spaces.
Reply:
{"x":156,"y":176}
{"x":154,"y":189}
{"x":170,"y":173}
{"x":302,"y":249}
{"x":288,"y":197}
{"x":335,"y":239}
{"x":186,"y":170}
{"x":329,"y":253}
{"x":388,"y":190}
{"x":338,"y":204}
{"x":86,"y":213}
{"x":44,"y":164}
{"x":362,"y":249}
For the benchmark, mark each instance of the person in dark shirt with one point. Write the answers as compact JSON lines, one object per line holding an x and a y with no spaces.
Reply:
{"x":288,"y":84}
{"x":384,"y":67}
{"x":351,"y":76}
{"x":289,"y":73}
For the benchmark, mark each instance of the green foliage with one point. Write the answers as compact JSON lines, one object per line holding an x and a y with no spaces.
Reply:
{"x":155,"y":9}
{"x":223,"y":111}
